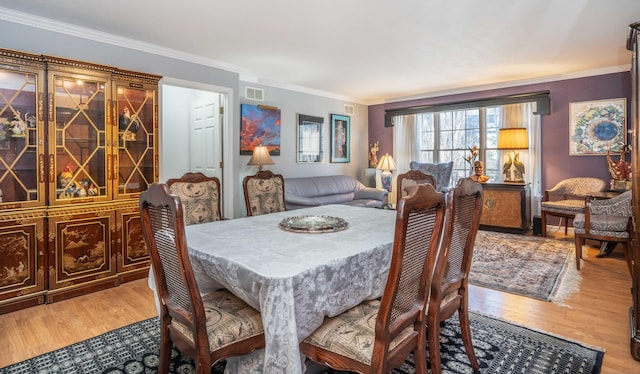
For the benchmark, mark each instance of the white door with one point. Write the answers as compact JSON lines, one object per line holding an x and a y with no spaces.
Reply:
{"x":206,"y":135}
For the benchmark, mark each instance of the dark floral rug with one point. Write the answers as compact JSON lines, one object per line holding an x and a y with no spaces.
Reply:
{"x":501,"y":347}
{"x":533,"y":266}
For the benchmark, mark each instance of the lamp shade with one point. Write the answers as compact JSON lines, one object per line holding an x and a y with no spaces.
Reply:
{"x":386,"y":163}
{"x":260,"y":157}
{"x":513,"y":138}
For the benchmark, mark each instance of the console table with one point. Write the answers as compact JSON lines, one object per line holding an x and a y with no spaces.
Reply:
{"x":506,"y":207}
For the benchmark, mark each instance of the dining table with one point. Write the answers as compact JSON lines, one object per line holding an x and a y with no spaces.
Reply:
{"x":294,"y":275}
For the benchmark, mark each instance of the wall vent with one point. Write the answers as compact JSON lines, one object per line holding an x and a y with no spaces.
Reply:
{"x":348,"y":109}
{"x":253,"y":93}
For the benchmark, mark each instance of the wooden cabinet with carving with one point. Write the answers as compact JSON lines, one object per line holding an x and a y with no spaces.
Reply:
{"x":78,"y":144}
{"x":506,"y":207}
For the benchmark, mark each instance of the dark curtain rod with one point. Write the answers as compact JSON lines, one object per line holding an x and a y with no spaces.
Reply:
{"x":541,"y":98}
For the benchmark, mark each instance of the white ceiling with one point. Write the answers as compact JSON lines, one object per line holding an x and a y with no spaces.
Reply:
{"x":369,"y":51}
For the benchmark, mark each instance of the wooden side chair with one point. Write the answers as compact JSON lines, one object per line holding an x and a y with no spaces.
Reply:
{"x":605,"y":220}
{"x":378,"y":335}
{"x":200,"y":196}
{"x":263,"y":193}
{"x":449,"y":286}
{"x":411,"y":178}
{"x":567,"y":198}
{"x":209,"y":327}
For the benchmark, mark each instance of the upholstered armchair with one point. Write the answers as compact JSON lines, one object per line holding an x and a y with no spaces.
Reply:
{"x":605,"y":220}
{"x":441,"y":171}
{"x":567,"y":198}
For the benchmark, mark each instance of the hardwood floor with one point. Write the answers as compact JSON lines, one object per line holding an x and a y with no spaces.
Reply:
{"x":597,"y":315}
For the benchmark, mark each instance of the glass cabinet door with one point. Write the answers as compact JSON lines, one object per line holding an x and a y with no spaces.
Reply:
{"x":136,"y":151}
{"x":21,"y":136}
{"x":79,"y":140}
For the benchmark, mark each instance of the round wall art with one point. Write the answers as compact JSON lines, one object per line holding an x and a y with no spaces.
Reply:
{"x":597,"y":126}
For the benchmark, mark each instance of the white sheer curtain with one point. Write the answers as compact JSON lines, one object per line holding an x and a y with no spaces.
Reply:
{"x":521,"y":115}
{"x":406,"y":147}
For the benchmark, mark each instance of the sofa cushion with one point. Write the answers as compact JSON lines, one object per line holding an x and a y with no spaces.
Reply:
{"x":442,"y":172}
{"x":321,"y":186}
{"x":331,"y":189}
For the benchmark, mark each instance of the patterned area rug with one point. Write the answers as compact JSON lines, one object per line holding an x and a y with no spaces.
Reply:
{"x":501,"y":347}
{"x":533,"y":266}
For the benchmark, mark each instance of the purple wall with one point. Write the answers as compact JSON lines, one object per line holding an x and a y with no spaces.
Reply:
{"x":556,"y":162}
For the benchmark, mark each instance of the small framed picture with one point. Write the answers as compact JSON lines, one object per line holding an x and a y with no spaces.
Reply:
{"x":310,"y":139}
{"x":340,"y":138}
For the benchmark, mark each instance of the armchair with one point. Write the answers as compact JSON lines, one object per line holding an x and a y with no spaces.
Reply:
{"x":607,"y":221}
{"x":441,"y":172}
{"x":567,"y":198}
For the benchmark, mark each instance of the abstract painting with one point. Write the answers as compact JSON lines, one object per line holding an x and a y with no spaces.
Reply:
{"x":260,"y":126}
{"x":597,"y":126}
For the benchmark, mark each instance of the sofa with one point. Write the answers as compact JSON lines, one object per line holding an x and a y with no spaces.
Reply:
{"x":332,"y":189}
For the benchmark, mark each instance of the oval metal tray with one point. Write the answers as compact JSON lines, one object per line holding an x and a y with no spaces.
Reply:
{"x":313,"y":224}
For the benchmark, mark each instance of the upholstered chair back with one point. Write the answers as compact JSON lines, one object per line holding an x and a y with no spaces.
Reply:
{"x":200,"y":196}
{"x":441,"y":171}
{"x":264,"y":193}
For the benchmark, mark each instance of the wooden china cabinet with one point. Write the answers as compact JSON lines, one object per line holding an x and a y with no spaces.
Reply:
{"x":77,"y":146}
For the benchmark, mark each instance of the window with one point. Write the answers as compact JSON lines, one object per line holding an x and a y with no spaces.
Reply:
{"x":447,"y":136}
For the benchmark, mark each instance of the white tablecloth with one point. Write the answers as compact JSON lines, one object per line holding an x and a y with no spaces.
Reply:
{"x":294,"y":279}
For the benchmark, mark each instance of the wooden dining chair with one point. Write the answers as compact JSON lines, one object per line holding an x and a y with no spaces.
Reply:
{"x":378,"y":335}
{"x":263,"y":193}
{"x":449,"y":286}
{"x":209,"y":327}
{"x":411,"y":178}
{"x":200,"y":196}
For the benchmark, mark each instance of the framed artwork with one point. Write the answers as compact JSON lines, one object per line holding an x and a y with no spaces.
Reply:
{"x":597,"y":126}
{"x":340,"y":143}
{"x":260,"y":125}
{"x":310,"y":139}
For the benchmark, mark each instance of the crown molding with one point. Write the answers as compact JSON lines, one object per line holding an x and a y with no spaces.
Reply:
{"x":99,"y":36}
{"x":310,"y":91}
{"x":509,"y":84}
{"x":103,"y":37}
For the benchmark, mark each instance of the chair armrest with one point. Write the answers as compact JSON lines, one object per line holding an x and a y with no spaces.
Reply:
{"x":372,"y":193}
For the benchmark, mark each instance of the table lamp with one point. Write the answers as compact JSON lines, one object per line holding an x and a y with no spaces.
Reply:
{"x":513,"y":139}
{"x":387,"y":165}
{"x":260,"y":157}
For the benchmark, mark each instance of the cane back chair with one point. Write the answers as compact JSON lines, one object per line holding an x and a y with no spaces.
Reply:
{"x":382,"y":333}
{"x":209,"y":327}
{"x":450,"y":283}
{"x":411,"y":178}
